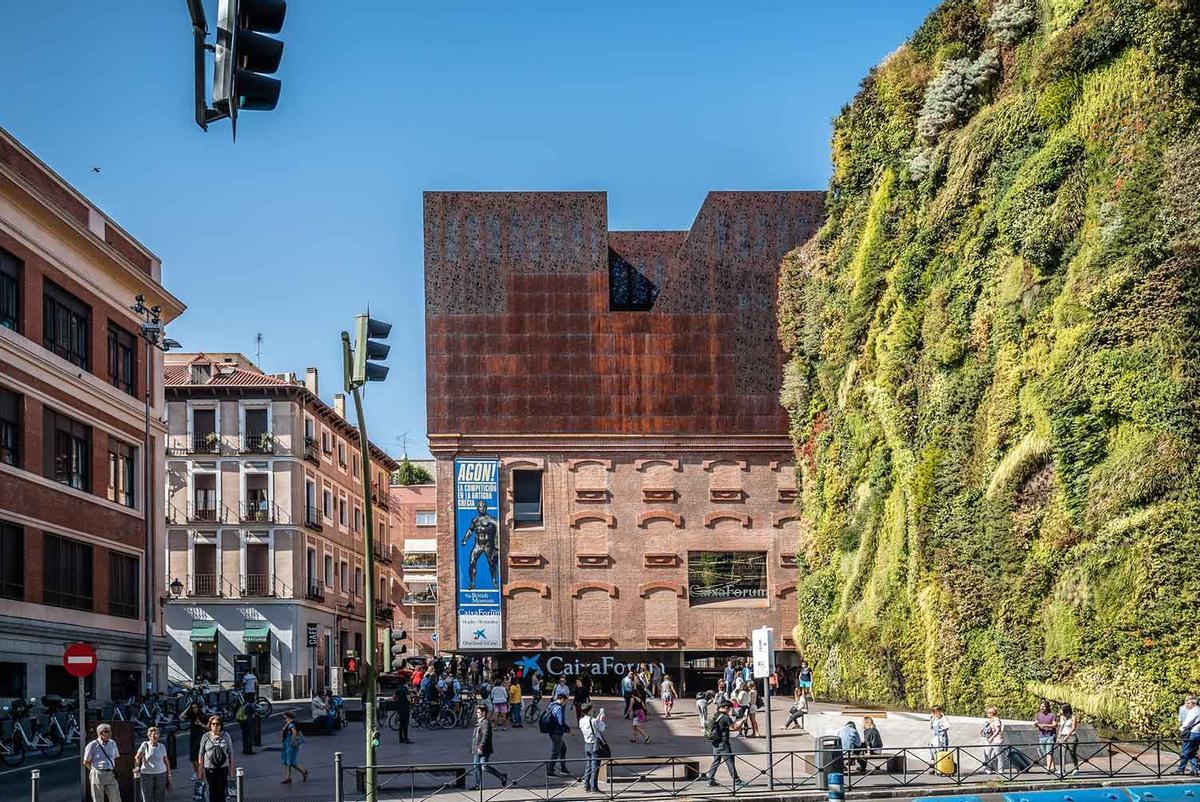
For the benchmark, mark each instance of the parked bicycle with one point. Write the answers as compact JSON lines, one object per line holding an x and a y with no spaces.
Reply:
{"x":262,"y":704}
{"x":19,"y":710}
{"x":62,"y":721}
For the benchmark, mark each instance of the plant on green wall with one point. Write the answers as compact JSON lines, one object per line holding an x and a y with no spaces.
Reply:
{"x":994,"y":373}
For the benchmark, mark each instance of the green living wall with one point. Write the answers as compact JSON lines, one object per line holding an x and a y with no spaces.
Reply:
{"x":993,"y":368}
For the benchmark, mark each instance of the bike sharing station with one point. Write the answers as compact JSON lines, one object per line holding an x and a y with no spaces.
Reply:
{"x":80,"y":660}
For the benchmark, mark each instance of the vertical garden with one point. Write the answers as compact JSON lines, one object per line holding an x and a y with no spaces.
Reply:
{"x":994,"y":358}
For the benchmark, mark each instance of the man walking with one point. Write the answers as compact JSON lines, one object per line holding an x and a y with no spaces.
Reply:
{"x":728,"y":674}
{"x":627,"y":691}
{"x":1189,"y":735}
{"x":722,"y":750}
{"x":401,"y":705}
{"x":481,"y":748}
{"x":100,"y":759}
{"x":557,"y":729}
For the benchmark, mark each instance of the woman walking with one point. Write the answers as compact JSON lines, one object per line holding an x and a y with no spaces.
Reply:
{"x":668,"y":695}
{"x":290,"y":740}
{"x":1046,"y":724}
{"x":805,"y":678}
{"x":638,"y":709}
{"x":197,"y":722}
{"x":1068,"y":738}
{"x":992,"y":732}
{"x":751,"y":708}
{"x":152,"y":768}
{"x":216,"y":756}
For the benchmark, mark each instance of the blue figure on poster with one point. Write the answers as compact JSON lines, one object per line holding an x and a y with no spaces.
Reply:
{"x":483,"y":529}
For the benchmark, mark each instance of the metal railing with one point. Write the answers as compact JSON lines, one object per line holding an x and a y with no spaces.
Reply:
{"x":204,"y":443}
{"x":382,"y":494}
{"x":315,"y":592}
{"x":258,"y":585}
{"x":636,"y":776}
{"x":310,"y":450}
{"x":261,"y":443}
{"x":204,"y":585}
{"x":312,"y":518}
{"x":260,"y":512}
{"x":204,"y":513}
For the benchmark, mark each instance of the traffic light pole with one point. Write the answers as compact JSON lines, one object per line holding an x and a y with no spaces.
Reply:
{"x":368,"y":656}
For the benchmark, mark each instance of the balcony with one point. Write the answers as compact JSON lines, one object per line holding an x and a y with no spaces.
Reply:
{"x":420,"y":562}
{"x":381,"y":494}
{"x":258,"y":585}
{"x":258,"y":511}
{"x":414,"y":599}
{"x":383,"y":553}
{"x":311,"y":452}
{"x":204,"y":443}
{"x":383,"y":612}
{"x":315,"y":592}
{"x":208,"y":585}
{"x":312,"y":519}
{"x":204,"y":513}
{"x":260,"y":443}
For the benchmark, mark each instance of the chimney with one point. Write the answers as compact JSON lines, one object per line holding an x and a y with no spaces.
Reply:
{"x":339,"y":405}
{"x":310,"y":381}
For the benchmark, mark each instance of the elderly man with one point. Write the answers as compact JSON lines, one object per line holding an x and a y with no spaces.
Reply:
{"x":100,"y":759}
{"x":1189,"y":735}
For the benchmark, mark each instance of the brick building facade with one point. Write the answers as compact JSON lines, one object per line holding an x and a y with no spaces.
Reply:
{"x":414,"y":514}
{"x":72,"y":504}
{"x":628,"y":383}
{"x":266,"y":525}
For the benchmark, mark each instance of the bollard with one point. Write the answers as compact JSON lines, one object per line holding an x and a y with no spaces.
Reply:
{"x":35,"y":780}
{"x":337,"y":777}
{"x":240,"y":784}
{"x":837,"y":790}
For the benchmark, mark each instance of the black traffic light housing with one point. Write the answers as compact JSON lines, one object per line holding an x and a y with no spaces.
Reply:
{"x":367,"y":332}
{"x":245,"y":56}
{"x":394,"y":650}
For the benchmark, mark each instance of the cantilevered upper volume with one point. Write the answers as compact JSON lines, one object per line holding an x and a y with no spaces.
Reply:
{"x":540,"y":320}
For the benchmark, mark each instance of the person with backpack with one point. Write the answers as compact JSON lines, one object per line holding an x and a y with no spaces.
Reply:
{"x":992,"y":733}
{"x":553,"y":722}
{"x":717,"y":732}
{"x":591,"y":728}
{"x":481,"y":748}
{"x":216,"y":756}
{"x":247,"y":717}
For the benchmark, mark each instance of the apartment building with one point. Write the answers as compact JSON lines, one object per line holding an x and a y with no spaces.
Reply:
{"x":266,"y":525}
{"x":414,"y":512}
{"x":614,"y":477}
{"x":72,"y":386}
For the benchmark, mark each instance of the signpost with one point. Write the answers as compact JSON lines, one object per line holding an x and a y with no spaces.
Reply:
{"x":763,"y":639}
{"x":313,"y":638}
{"x":80,"y":659}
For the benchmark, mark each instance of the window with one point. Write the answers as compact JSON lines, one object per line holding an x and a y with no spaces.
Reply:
{"x":328,"y":571}
{"x":120,"y":473}
{"x":12,"y":680}
{"x":310,"y":556}
{"x":308,"y":429}
{"x":122,"y":359}
{"x":122,"y":585}
{"x":341,"y":451}
{"x":10,"y":291}
{"x":354,"y":466}
{"x":326,"y":443}
{"x":201,"y":373}
{"x":67,"y":573}
{"x":344,"y":575}
{"x":717,"y":576}
{"x":12,"y":561}
{"x":426,"y":518}
{"x":66,"y":325}
{"x":527,"y":498}
{"x":10,"y":427}
{"x":629,"y":289}
{"x":327,"y":503}
{"x":68,"y":450}
{"x":357,"y":519}
{"x":342,"y":511}
{"x":426,"y":621}
{"x":357,"y":581}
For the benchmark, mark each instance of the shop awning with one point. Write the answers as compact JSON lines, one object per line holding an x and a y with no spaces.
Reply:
{"x":256,"y":633}
{"x":204,"y":633}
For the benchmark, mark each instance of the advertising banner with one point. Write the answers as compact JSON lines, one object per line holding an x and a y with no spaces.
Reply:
{"x":477,"y":552}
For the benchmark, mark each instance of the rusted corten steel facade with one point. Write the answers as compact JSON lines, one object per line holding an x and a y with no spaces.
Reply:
{"x":640,"y":372}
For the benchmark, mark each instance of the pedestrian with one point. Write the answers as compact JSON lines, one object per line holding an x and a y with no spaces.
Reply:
{"x":591,"y":766}
{"x":722,"y":750}
{"x":247,"y":716}
{"x":992,"y":732}
{"x":250,"y":685}
{"x":627,"y":691}
{"x":871,"y":739}
{"x":561,"y":687}
{"x":514,"y":701}
{"x":797,"y":711}
{"x":939,"y":732}
{"x":1068,"y":738}
{"x":152,"y":768}
{"x":1046,"y":724}
{"x":1189,"y":736}
{"x":667,"y":692}
{"x":322,"y":713}
{"x":581,"y":697}
{"x":402,"y":705}
{"x":851,"y":747}
{"x":216,"y":756}
{"x":638,"y":712}
{"x":805,"y":679}
{"x":727,"y":674}
{"x":499,"y":694}
{"x":481,"y":748}
{"x":557,"y":728}
{"x":290,"y":740}
{"x":100,"y":759}
{"x":656,"y":677}
{"x":702,"y":701}
{"x":752,"y":708}
{"x":197,"y":721}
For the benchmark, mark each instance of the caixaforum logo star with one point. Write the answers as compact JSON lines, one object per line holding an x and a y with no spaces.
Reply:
{"x":528,"y":664}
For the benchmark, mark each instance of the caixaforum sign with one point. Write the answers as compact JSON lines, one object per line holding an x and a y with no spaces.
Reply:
{"x":557,"y":665}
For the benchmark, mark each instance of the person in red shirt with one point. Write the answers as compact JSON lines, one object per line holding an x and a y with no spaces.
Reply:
{"x":417,"y":675}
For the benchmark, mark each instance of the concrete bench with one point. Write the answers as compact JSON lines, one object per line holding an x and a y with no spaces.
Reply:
{"x":881,"y":761}
{"x":691,"y":766}
{"x":457,"y":769}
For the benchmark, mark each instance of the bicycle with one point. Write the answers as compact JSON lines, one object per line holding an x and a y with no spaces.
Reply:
{"x":533,"y":709}
{"x":261,"y":703}
{"x":20,"y":709}
{"x":55,"y":707}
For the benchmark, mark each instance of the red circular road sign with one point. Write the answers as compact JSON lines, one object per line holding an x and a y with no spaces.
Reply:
{"x":80,"y":660}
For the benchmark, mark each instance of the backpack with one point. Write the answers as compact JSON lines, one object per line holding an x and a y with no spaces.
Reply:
{"x":547,"y":723}
{"x":216,"y":753}
{"x":713,"y":733}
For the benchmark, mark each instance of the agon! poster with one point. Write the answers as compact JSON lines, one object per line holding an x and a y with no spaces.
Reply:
{"x":477,"y":552}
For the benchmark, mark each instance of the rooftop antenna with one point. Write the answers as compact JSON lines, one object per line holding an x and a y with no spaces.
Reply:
{"x":258,"y":349}
{"x":402,"y":439}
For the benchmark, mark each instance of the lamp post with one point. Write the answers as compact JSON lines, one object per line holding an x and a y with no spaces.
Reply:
{"x":339,"y":651}
{"x":152,"y":333}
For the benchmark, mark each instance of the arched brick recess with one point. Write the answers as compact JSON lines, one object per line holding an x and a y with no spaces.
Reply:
{"x":660,"y":515}
{"x":741,"y":464}
{"x":579,"y":588}
{"x":512,"y":588}
{"x":778,"y":519}
{"x":576,"y":464}
{"x":536,"y":463}
{"x":661,"y":609}
{"x":579,"y":517}
{"x":593,"y":610}
{"x":642,"y":464}
{"x":646,"y":588}
{"x":711,"y":519}
{"x":783,"y":591}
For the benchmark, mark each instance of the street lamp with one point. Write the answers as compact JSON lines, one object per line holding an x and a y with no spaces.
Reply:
{"x":152,"y":333}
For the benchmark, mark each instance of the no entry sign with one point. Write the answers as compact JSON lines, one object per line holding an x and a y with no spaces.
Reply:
{"x":80,"y":660}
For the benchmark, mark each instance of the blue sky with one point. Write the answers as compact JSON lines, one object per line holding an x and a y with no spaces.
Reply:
{"x":316,"y":210}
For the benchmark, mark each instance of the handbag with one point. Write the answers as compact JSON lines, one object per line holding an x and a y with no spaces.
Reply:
{"x":603,"y":750}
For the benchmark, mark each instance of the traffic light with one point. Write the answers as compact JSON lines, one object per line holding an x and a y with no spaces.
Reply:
{"x":394,"y":650}
{"x":244,"y":56}
{"x":366,"y":349}
{"x":350,"y":663}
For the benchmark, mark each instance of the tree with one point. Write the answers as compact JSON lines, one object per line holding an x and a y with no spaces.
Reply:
{"x":409,"y":473}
